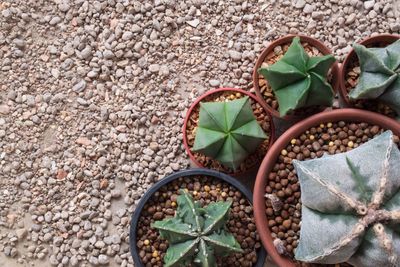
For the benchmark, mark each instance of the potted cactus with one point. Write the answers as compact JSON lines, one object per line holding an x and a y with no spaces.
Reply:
{"x":356,"y":195}
{"x":295,"y":76}
{"x":299,"y":81}
{"x":227,"y":130}
{"x":195,"y":217}
{"x":279,"y":197}
{"x":197,"y":235}
{"x":370,"y":75}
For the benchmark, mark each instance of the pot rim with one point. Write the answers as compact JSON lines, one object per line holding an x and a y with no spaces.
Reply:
{"x":387,"y":38}
{"x":206,"y":94}
{"x":286,"y":39}
{"x":261,"y":255}
{"x":267,"y":164}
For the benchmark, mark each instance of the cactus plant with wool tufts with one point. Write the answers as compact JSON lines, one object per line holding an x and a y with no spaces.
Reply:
{"x":228,"y":131}
{"x":351,"y":206}
{"x":298,"y":80}
{"x":197,"y":235}
{"x":380,"y":75}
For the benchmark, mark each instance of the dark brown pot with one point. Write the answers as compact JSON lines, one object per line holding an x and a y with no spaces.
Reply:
{"x":285,"y":40}
{"x":201,"y":98}
{"x":352,"y":115}
{"x":375,"y":41}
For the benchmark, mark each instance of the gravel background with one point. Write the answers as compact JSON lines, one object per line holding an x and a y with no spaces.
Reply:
{"x":92,"y":98}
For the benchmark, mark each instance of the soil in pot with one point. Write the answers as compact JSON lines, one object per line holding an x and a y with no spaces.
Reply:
{"x":265,"y":88}
{"x":205,"y":190}
{"x":283,"y":206}
{"x":254,"y":159}
{"x":352,"y":73}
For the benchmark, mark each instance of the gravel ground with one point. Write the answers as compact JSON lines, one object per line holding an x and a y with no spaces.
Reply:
{"x":92,"y":98}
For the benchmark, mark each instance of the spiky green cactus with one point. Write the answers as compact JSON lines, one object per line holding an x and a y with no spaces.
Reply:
{"x":351,"y":206}
{"x":298,"y":80}
{"x":228,"y":131}
{"x":197,"y":235}
{"x":380,"y":75}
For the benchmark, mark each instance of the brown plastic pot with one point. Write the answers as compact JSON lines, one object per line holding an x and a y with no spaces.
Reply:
{"x":352,"y":115}
{"x":201,"y":98}
{"x":375,"y":41}
{"x":285,"y":40}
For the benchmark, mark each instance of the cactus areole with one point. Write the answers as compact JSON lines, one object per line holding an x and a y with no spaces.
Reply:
{"x":228,"y":131}
{"x":351,"y":206}
{"x":380,"y":75}
{"x":197,"y":235}
{"x":298,"y":80}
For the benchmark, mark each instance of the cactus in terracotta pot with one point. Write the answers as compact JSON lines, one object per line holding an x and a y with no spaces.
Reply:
{"x":351,"y":206}
{"x":380,"y":75}
{"x":197,"y":235}
{"x":228,"y":131}
{"x":298,"y":80}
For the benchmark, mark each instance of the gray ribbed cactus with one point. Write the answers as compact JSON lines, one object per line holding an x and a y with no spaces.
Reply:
{"x":380,"y":75}
{"x":351,"y":206}
{"x":197,"y":235}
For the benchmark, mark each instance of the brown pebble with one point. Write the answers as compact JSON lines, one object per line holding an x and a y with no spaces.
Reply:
{"x":269,"y":211}
{"x":325,"y":137}
{"x":316,"y":146}
{"x":170,"y":212}
{"x":374,"y":130}
{"x":287,"y":223}
{"x":284,"y":214}
{"x":281,"y":235}
{"x":280,"y":194}
{"x":288,"y":192}
{"x":353,"y":127}
{"x":306,"y":152}
{"x":342,"y":135}
{"x":158,"y":215}
{"x":151,"y":210}
{"x":251,"y":226}
{"x":278,"y":186}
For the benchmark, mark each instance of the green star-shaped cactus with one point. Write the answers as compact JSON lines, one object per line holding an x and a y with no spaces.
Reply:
{"x":197,"y":235}
{"x":298,"y":80}
{"x":228,"y":131}
{"x":380,"y":75}
{"x":351,"y":206}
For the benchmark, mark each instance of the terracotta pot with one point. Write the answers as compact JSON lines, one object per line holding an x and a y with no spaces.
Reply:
{"x":285,"y":40}
{"x":352,"y":115}
{"x":261,"y":254}
{"x":201,"y":98}
{"x":378,"y":41}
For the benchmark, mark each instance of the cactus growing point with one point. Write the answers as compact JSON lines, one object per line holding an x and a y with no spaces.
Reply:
{"x":298,"y":80}
{"x":228,"y":131}
{"x":197,"y":235}
{"x":351,"y":206}
{"x":380,"y":75}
